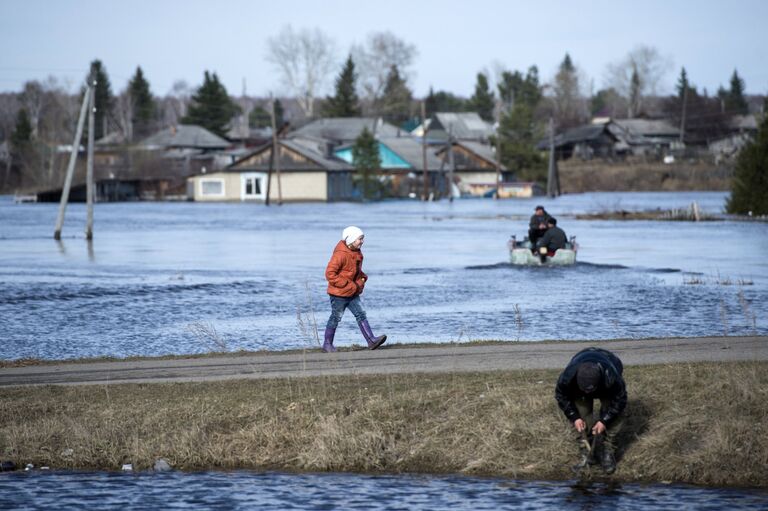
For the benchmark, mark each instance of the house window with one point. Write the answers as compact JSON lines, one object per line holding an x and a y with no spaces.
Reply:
{"x":212,"y":187}
{"x":252,"y":186}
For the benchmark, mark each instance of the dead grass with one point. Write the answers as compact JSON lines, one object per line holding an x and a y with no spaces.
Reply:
{"x":693,"y":423}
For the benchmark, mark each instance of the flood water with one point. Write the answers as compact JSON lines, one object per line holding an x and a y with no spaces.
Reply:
{"x":182,"y":278}
{"x":276,"y":491}
{"x":187,"y":278}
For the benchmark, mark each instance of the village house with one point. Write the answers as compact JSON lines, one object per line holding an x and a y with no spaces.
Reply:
{"x":306,"y":174}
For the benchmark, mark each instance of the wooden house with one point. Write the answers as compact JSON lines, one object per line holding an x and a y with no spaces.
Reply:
{"x":306,"y":175}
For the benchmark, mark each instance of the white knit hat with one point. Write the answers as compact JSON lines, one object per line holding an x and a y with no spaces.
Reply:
{"x":350,"y":234}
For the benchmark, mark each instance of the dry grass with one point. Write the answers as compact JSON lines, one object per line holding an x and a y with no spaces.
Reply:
{"x":695,"y":423}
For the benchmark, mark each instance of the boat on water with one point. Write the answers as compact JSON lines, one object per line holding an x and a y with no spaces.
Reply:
{"x":524,"y":254}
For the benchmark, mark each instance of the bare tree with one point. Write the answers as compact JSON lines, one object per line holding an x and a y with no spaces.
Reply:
{"x":375,"y":59}
{"x":304,"y":60}
{"x":174,"y":106}
{"x":638,"y":74}
{"x":33,"y":100}
{"x":124,"y":106}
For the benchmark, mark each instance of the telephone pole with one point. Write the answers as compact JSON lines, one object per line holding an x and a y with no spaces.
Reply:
{"x":424,"y":150}
{"x":71,"y":165}
{"x":89,"y":166}
{"x":275,"y":151}
{"x":553,"y":178}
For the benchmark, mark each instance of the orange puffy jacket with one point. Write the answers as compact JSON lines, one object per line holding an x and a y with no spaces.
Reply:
{"x":344,"y":272}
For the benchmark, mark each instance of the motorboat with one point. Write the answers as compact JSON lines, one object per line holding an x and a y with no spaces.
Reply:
{"x":523,"y":253}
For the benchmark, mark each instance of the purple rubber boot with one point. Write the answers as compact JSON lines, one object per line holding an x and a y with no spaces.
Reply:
{"x":373,"y":341}
{"x":328,"y":346}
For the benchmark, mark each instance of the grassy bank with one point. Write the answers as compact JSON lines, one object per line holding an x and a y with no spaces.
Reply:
{"x":695,"y":423}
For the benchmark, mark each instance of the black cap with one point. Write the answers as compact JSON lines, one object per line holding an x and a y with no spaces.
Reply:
{"x":552,"y":220}
{"x":588,"y":377}
{"x":539,"y":207}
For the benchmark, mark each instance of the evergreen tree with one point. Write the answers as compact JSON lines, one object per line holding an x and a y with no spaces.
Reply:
{"x":570,"y":109}
{"x":683,"y":84}
{"x":395,"y":102}
{"x":518,"y":130}
{"x":345,"y":102}
{"x":279,"y":113}
{"x":259,"y":118}
{"x":104,"y":100}
{"x":365,"y":158}
{"x":734,"y":98}
{"x":442,"y":101}
{"x":483,"y":101}
{"x":211,"y":106}
{"x":22,"y":133}
{"x":143,"y":104}
{"x":749,"y":187}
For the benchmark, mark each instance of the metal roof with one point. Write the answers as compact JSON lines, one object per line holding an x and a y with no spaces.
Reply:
{"x":410,"y":150}
{"x":345,"y":129}
{"x":463,"y":125}
{"x":184,"y":135}
{"x":325,"y":162}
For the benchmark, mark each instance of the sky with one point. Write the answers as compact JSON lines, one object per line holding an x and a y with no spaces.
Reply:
{"x":178,"y":40}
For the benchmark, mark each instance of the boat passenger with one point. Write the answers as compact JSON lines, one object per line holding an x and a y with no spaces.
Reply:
{"x":538,"y":225}
{"x":554,"y":238}
{"x":594,"y":373}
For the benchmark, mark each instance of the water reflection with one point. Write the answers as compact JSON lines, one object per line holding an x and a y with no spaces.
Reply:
{"x":278,"y":491}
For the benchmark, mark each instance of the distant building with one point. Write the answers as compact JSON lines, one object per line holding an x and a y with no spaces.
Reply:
{"x":461,"y":125}
{"x":474,"y":166}
{"x":305,"y":175}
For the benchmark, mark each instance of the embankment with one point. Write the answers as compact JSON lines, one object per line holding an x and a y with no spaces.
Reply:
{"x":577,"y":176}
{"x":701,"y":423}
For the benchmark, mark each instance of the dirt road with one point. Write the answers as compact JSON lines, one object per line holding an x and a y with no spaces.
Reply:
{"x":389,"y":359}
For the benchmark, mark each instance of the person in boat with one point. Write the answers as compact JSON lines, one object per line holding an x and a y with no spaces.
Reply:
{"x":553,"y":239}
{"x":594,"y":373}
{"x":538,"y":225}
{"x":346,"y":282}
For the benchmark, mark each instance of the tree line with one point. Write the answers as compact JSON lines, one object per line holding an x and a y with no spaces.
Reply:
{"x":374,"y":81}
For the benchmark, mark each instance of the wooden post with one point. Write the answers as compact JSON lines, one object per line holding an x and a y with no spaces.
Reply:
{"x":89,"y":167}
{"x":275,"y":151}
{"x":71,"y":165}
{"x":498,"y":152}
{"x":424,"y":150}
{"x":682,"y":120}
{"x":451,"y":163}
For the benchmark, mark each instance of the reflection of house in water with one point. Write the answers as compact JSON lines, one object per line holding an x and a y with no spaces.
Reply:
{"x":306,"y":174}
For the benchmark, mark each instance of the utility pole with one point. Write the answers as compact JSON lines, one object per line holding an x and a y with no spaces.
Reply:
{"x":424,"y":150}
{"x":89,"y":167}
{"x":682,"y":119}
{"x":553,"y":179}
{"x":451,"y":163}
{"x":72,"y":158}
{"x":275,"y":149}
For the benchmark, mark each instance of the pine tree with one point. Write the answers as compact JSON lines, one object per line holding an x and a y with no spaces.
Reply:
{"x":365,"y":158}
{"x":518,"y":130}
{"x":22,"y":133}
{"x":442,"y":101}
{"x":570,"y":109}
{"x":734,"y":98}
{"x":749,"y":187}
{"x":143,"y":104}
{"x":483,"y":101}
{"x":345,"y":102}
{"x":683,"y":84}
{"x":211,"y":106}
{"x":104,"y":100}
{"x":395,"y":102}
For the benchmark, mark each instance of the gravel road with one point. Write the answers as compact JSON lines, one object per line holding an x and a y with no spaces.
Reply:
{"x":387,"y":360}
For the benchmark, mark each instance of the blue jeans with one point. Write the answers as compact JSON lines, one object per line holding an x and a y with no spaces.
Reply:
{"x":339,"y":305}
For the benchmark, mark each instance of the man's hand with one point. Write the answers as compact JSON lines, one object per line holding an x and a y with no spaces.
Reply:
{"x":580,"y":425}
{"x":598,"y":428}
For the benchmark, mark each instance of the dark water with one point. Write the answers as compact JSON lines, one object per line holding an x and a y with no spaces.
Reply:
{"x":188,"y":278}
{"x":274,"y":491}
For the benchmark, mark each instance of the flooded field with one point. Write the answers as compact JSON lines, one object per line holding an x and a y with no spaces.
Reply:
{"x":180,"y":278}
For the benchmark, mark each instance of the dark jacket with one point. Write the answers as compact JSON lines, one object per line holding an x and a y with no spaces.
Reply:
{"x":537,"y":220}
{"x":611,"y":391}
{"x":344,"y":272}
{"x":553,"y":239}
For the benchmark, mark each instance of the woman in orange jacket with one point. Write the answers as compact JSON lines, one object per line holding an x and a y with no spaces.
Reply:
{"x":346,"y":282}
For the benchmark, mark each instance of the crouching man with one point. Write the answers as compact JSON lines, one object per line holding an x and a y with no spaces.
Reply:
{"x":594,"y":373}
